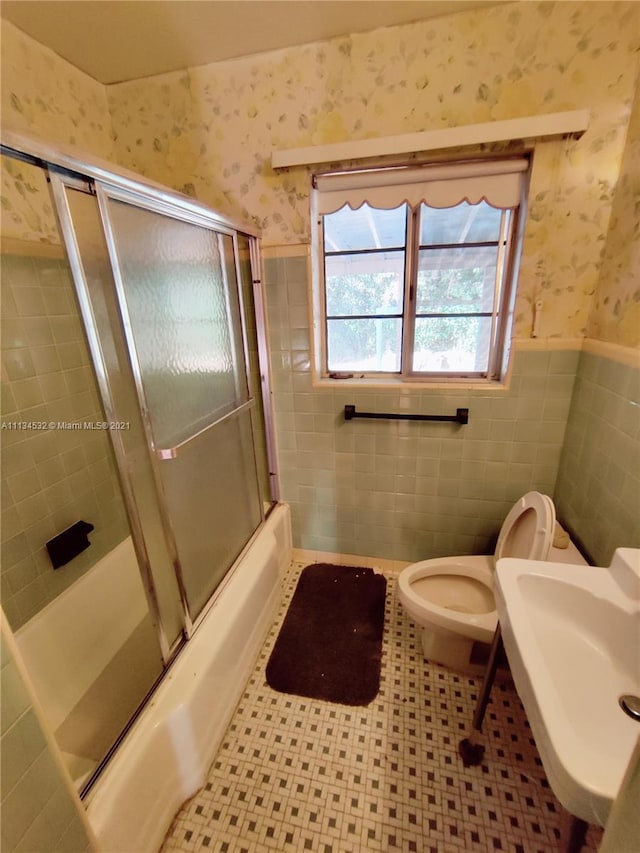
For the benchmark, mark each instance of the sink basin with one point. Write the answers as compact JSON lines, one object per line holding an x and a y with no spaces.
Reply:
{"x":572,"y":637}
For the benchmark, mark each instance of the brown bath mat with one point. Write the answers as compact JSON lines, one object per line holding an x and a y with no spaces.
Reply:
{"x":330,"y":643}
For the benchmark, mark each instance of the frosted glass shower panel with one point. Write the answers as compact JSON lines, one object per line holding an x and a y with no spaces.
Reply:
{"x":184,"y":318}
{"x":213,"y":501}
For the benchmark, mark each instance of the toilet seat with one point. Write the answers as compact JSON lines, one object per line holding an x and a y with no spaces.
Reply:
{"x":527,"y":532}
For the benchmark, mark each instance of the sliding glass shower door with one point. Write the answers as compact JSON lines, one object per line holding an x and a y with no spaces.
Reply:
{"x":181,"y":310}
{"x":87,"y":625}
{"x":137,"y":401}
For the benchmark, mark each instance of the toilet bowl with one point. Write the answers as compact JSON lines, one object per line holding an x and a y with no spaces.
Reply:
{"x":451,"y":598}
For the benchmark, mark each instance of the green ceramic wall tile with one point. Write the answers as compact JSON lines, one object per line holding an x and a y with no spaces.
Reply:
{"x":429,"y":448}
{"x":496,"y":472}
{"x":295,"y":270}
{"x":427,"y":470}
{"x":30,"y":779}
{"x":401,"y":484}
{"x":403,"y":504}
{"x":451,"y":449}
{"x":599,"y":469}
{"x":303,"y":402}
{"x":627,"y":419}
{"x":523,"y":451}
{"x":560,"y":385}
{"x":475,"y":450}
{"x":529,"y":430}
{"x":473,"y":488}
{"x":450,"y":488}
{"x":297,"y":293}
{"x":300,"y":339}
{"x":450,"y":469}
{"x":548,"y":454}
{"x":14,"y":696}
{"x":531,"y":363}
{"x":325,"y":404}
{"x":552,"y":433}
{"x":401,"y":466}
{"x":534,"y":387}
{"x":502,"y":431}
{"x":564,"y":361}
{"x":556,"y":409}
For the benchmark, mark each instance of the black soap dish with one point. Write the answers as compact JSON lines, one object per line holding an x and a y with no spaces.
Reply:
{"x":68,"y":544}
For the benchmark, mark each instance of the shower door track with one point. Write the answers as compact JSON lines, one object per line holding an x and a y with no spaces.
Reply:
{"x":43,"y":155}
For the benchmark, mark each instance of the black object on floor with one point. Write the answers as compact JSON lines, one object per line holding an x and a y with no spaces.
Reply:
{"x":330,"y":643}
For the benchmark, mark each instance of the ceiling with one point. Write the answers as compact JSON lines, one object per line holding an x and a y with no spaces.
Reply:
{"x":116,"y":40}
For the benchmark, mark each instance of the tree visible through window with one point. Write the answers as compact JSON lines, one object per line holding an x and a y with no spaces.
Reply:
{"x":416,"y":290}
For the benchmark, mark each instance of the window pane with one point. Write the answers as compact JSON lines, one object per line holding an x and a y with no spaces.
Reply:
{"x":364,"y":228}
{"x":364,"y":345}
{"x":455,"y":281}
{"x":364,"y":284}
{"x":465,"y":223}
{"x":452,"y":344}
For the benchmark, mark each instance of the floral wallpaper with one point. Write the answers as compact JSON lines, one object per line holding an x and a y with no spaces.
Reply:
{"x":44,"y":96}
{"x":27,"y":209}
{"x":616,"y":310}
{"x":210,"y":130}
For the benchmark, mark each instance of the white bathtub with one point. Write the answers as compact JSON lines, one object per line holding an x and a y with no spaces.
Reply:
{"x":165,"y":757}
{"x":75,"y":636}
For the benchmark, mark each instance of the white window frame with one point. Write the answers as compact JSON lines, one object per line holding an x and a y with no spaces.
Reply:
{"x":414,"y":185}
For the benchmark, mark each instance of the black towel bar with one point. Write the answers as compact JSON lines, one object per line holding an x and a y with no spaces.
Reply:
{"x":461,"y":416}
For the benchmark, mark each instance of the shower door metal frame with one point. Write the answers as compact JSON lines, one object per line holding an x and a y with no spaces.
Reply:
{"x":69,"y":170}
{"x":86,"y":166}
{"x":104,"y":193}
{"x":257,"y":278}
{"x":76,"y":168}
{"x":59,"y":181}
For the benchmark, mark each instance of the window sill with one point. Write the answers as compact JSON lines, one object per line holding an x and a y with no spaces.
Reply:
{"x":393,"y":384}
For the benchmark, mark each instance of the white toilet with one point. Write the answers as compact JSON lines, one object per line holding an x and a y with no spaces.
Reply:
{"x":451,"y":598}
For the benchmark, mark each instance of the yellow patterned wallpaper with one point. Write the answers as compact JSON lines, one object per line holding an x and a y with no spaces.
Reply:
{"x":211,"y":130}
{"x":46,"y":97}
{"x":615,"y":315}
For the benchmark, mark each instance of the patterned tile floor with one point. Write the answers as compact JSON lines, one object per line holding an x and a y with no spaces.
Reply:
{"x":295,"y":774}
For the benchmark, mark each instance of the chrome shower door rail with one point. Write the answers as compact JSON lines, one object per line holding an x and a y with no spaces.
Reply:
{"x":172,"y":452}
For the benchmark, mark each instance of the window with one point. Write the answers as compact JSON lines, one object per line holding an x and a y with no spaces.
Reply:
{"x":417,"y":269}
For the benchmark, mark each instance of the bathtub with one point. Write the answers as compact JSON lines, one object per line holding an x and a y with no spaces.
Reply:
{"x":165,"y":757}
{"x":67,"y":643}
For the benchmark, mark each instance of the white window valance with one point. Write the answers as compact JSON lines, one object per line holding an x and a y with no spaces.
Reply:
{"x":571,"y":123}
{"x":499,"y":183}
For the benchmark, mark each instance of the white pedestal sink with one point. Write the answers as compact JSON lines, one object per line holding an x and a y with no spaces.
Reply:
{"x":572,"y":636}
